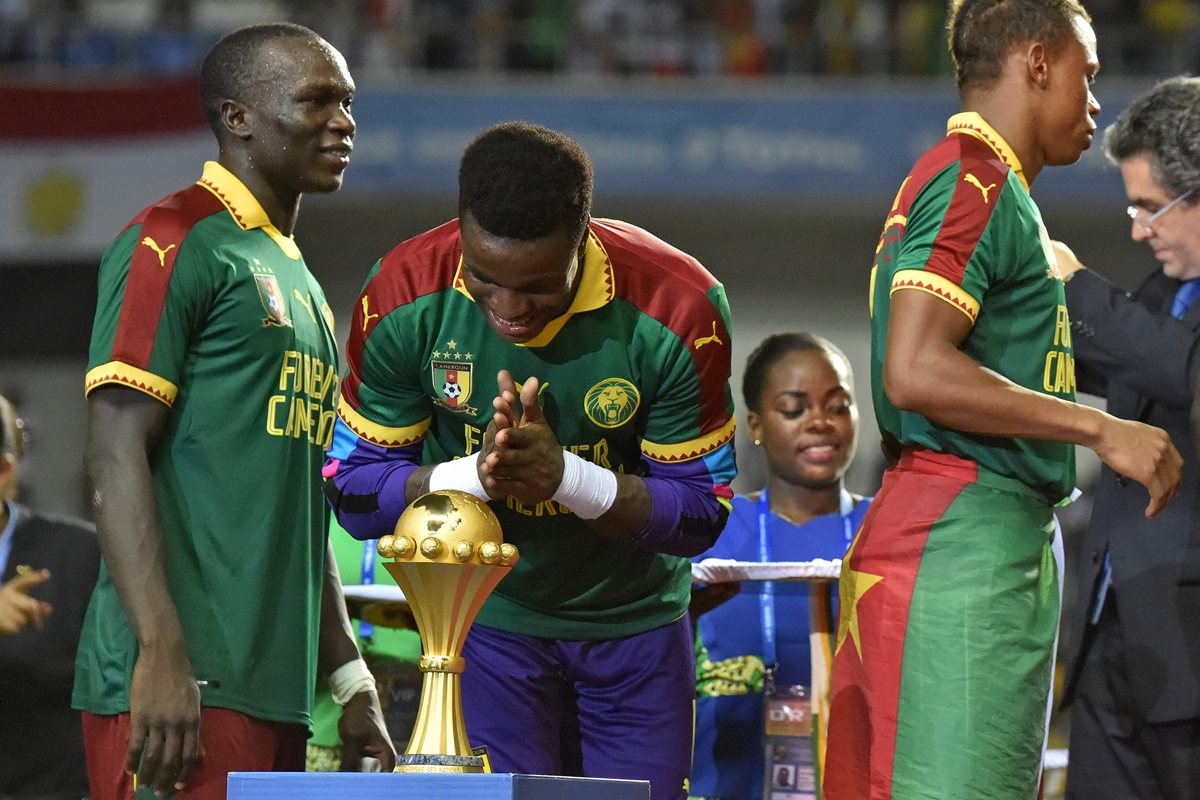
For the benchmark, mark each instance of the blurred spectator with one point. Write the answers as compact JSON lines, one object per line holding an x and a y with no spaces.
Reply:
{"x":48,"y":567}
{"x":577,"y":37}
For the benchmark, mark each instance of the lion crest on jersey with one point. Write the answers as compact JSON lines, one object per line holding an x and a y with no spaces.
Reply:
{"x":612,"y":402}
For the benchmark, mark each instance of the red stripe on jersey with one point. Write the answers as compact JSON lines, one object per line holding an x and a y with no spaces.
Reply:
{"x":981,"y":177}
{"x":435,"y":254}
{"x":164,"y":227}
{"x":670,"y":286}
{"x":936,"y":159}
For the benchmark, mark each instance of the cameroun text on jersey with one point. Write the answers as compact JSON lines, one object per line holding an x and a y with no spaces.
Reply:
{"x":303,"y":405}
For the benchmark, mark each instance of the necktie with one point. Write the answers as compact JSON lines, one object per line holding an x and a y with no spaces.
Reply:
{"x":1184,"y":297}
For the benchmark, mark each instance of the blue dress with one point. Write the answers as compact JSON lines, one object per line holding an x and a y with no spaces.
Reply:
{"x":728,"y":762}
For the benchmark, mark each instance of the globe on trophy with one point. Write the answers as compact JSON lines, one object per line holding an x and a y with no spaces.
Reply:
{"x":448,"y":554}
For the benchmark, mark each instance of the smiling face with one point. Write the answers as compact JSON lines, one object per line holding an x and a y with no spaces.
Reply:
{"x":520,"y":286}
{"x":1068,"y":122}
{"x":299,"y":115}
{"x":808,"y":422}
{"x":1175,"y":236}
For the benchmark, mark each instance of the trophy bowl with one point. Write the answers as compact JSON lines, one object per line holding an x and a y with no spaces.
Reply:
{"x":447,"y":554}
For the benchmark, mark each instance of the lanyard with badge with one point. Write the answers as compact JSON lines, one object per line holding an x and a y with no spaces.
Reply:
{"x":788,"y":734}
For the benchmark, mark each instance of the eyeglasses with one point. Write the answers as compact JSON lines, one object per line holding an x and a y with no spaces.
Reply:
{"x":1148,"y":223}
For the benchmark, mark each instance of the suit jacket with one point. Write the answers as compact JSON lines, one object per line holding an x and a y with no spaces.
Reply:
{"x":41,"y":741}
{"x":1132,"y":351}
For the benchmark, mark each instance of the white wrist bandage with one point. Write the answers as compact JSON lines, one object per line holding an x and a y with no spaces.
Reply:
{"x":349,"y":679}
{"x":461,"y":474}
{"x":586,"y":488}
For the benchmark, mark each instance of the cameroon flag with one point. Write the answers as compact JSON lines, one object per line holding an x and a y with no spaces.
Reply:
{"x":942,"y":664}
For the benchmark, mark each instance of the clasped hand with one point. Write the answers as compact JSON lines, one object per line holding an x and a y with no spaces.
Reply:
{"x":521,"y":455}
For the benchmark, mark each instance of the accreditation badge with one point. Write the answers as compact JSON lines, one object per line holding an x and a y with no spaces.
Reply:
{"x":790,"y":774}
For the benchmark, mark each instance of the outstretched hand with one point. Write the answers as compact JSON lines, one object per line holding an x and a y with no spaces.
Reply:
{"x":17,"y":609}
{"x":1065,"y":260}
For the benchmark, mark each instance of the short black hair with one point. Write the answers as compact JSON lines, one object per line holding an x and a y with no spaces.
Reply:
{"x":522,"y":181}
{"x":234,"y":66}
{"x":980,"y":33}
{"x":12,"y":430}
{"x":770,"y":351}
{"x":1163,"y":125}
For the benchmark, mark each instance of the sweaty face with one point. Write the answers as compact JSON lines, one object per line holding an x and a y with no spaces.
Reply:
{"x":808,"y":422}
{"x":1070,"y":106}
{"x":302,"y":128}
{"x":519,"y":286}
{"x":1175,"y":236}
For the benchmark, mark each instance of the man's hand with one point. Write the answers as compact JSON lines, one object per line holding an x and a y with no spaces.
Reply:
{"x":17,"y":609}
{"x":526,"y":460}
{"x":1143,"y":453}
{"x":364,"y":734}
{"x":1067,"y":263}
{"x":164,"y":720}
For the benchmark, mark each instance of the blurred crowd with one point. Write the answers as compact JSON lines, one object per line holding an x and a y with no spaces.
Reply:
{"x":579,"y":37}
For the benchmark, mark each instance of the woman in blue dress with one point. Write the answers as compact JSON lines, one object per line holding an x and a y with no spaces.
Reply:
{"x":799,"y":392}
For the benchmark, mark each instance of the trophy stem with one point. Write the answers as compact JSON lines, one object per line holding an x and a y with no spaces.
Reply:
{"x":440,"y":729}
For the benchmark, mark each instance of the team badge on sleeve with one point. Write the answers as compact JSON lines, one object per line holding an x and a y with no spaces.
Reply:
{"x":611,"y":402}
{"x":272,"y":299}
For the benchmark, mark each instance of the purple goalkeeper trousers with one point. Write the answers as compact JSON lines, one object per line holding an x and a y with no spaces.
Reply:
{"x":614,"y":708}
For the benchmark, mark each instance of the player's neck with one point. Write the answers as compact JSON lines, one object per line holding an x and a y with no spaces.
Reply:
{"x":1006,"y":112}
{"x":802,"y":504}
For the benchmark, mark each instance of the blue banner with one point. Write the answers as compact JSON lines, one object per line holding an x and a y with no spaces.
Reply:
{"x":801,"y":143}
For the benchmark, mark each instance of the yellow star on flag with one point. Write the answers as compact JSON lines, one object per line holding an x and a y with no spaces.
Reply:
{"x":859,"y":583}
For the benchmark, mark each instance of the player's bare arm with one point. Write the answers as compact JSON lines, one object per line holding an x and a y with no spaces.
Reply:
{"x":361,"y":727}
{"x":925,"y":372}
{"x":124,"y":427}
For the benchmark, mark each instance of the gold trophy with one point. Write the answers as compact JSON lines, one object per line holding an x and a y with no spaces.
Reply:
{"x":448,"y":555}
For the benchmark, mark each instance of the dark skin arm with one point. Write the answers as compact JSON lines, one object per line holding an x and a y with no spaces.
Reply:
{"x":526,"y":462}
{"x":361,"y":727}
{"x":925,"y":372}
{"x":124,"y":428}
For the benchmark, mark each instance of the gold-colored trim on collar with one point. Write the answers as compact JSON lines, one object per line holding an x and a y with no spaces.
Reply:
{"x":242,"y":205}
{"x":597,"y":288}
{"x":972,"y":124}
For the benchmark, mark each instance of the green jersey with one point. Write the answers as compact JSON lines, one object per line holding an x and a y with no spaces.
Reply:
{"x":963,"y":228}
{"x":634,"y":378}
{"x":207,"y":307}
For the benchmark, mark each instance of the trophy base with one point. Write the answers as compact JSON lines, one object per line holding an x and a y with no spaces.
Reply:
{"x":414,"y":763}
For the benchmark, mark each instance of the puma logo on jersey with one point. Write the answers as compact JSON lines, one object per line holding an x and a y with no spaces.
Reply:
{"x":971,"y":179}
{"x":307,"y":303}
{"x":367,"y":316}
{"x":703,"y":340}
{"x":161,"y":251}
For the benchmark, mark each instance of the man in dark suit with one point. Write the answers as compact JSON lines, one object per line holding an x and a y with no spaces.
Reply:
{"x":48,"y":566}
{"x":1134,"y":657}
